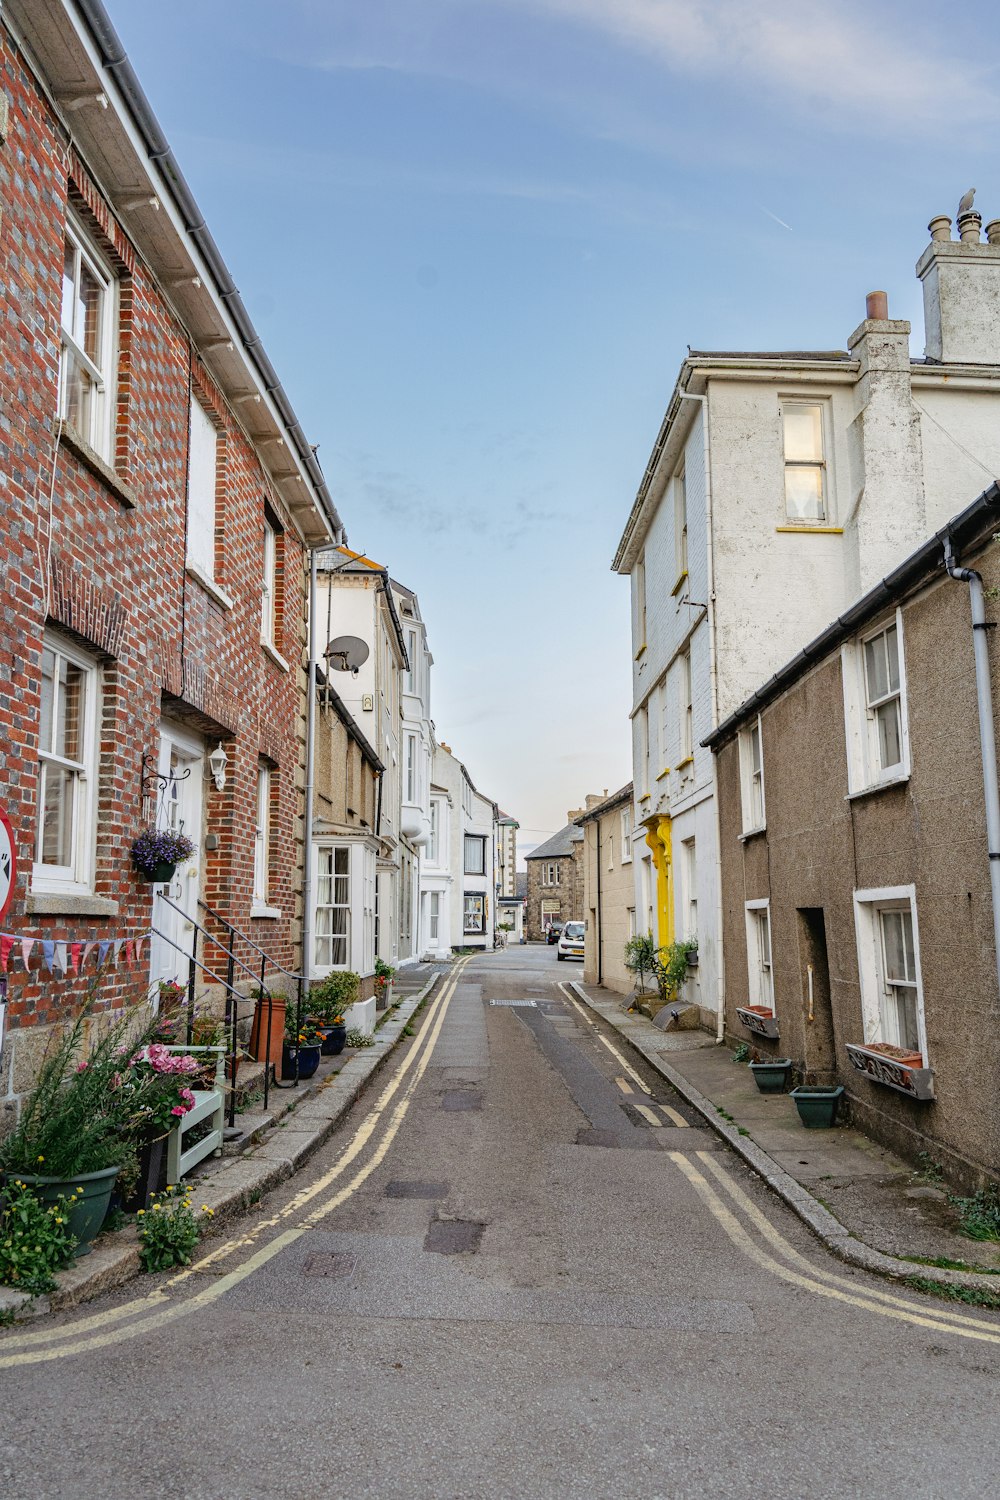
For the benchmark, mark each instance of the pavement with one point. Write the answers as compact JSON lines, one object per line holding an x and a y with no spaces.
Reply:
{"x":866,"y":1204}
{"x":523,"y":1266}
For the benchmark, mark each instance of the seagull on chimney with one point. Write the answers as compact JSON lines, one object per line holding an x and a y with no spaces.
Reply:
{"x":965,"y":202}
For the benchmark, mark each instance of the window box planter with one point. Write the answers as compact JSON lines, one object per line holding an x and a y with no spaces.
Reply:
{"x":893,"y":1067}
{"x":771,"y":1076}
{"x":758,"y":1020}
{"x":817,"y":1107}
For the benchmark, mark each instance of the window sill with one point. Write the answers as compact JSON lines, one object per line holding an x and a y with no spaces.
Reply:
{"x":645,"y":797}
{"x":877,"y":786}
{"x":880,"y":1067}
{"x":752,"y":833}
{"x":682,"y":764}
{"x":274,"y":655}
{"x":811,"y":530}
{"x":681,"y":581}
{"x":664,"y":772}
{"x":68,"y":904}
{"x":266,"y":913}
{"x":70,"y":438}
{"x":208,"y":584}
{"x":641,"y":652}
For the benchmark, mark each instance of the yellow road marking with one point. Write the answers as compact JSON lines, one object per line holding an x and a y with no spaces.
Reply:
{"x":676,"y":1116}
{"x":603,"y":1039}
{"x":647,"y":1114}
{"x":624,"y":1085}
{"x":939,"y":1323}
{"x":149,"y":1318}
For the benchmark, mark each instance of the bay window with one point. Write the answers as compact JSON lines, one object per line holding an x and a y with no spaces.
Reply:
{"x":345,"y":908}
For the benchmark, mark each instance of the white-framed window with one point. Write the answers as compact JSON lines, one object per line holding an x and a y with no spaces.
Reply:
{"x":434,"y":841}
{"x":640,"y":604}
{"x":805,"y":464}
{"x":262,"y":835}
{"x":680,"y":523}
{"x":333,"y":906}
{"x":892,"y":999}
{"x":626,"y":835}
{"x":87,"y":336}
{"x":475,"y":854}
{"x":760,"y":977}
{"x":411,"y":768}
{"x":203,"y":475}
{"x":632,"y":928}
{"x":611,"y":850}
{"x":550,"y":874}
{"x":689,"y":889}
{"x":642,"y":749}
{"x":686,"y":704}
{"x":412,"y":676}
{"x":752,"y":778}
{"x":875,"y":713}
{"x":67,"y":769}
{"x":434,"y":914}
{"x":664,"y":727}
{"x":269,"y":585}
{"x":474,"y":909}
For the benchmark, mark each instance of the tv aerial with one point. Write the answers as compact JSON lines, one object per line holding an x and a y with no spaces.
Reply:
{"x":347,"y":653}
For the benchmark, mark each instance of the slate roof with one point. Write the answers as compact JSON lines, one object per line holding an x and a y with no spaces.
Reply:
{"x":559,"y":845}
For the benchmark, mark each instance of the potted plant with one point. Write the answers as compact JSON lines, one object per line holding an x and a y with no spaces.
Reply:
{"x":817,"y":1106}
{"x":267,"y":1030}
{"x":329,"y":1000}
{"x":383,"y":983}
{"x":301,"y":1051}
{"x":164,"y":1083}
{"x":157,"y":852}
{"x":771,"y":1074}
{"x":640,"y":952}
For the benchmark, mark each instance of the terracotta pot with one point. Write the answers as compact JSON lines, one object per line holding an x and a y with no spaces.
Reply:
{"x":275,"y":1005}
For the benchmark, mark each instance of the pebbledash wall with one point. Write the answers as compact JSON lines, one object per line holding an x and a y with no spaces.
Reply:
{"x":94,"y":555}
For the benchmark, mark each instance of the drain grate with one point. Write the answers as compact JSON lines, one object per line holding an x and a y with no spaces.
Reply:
{"x":333,"y":1267}
{"x":514,"y":1003}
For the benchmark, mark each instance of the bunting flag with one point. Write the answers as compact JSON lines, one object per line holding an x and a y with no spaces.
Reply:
{"x":48,"y":952}
{"x":139,"y":942}
{"x":119,"y":945}
{"x":88,"y":949}
{"x":61,"y":957}
{"x":26,"y":946}
{"x":130,"y":953}
{"x":6,"y":944}
{"x":75,"y":949}
{"x":103,"y":949}
{"x":70,"y":955}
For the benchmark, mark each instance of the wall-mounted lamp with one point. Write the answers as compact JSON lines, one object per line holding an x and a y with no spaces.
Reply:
{"x":217,"y":763}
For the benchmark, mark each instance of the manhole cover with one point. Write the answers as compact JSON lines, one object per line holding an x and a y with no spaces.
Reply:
{"x":453,"y":1236}
{"x":417,"y":1190}
{"x":511,"y":1004}
{"x":461,"y":1099}
{"x":334,"y":1267}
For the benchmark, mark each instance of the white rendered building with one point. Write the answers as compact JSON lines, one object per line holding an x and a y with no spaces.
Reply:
{"x":459,"y":877}
{"x":416,"y":757}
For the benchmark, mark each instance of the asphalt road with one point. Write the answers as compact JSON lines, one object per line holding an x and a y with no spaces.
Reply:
{"x":520,"y":1269}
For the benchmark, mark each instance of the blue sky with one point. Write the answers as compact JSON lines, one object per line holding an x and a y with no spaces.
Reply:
{"x":477,"y":236}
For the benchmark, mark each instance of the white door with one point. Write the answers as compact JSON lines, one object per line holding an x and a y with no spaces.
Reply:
{"x":179,"y":794}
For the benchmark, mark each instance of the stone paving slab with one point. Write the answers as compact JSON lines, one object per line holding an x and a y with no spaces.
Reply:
{"x":230,"y":1185}
{"x":868,"y":1180}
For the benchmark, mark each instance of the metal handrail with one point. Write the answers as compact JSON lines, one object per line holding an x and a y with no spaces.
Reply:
{"x":291,"y":973}
{"x":229,"y":954}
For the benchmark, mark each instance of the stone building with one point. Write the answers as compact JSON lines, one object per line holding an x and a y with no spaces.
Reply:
{"x":608,"y":890}
{"x":555,"y":879}
{"x":860,"y":829}
{"x":158,"y":505}
{"x":780,"y":488}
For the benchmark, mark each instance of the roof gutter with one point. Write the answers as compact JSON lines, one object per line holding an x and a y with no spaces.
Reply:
{"x":115,"y":61}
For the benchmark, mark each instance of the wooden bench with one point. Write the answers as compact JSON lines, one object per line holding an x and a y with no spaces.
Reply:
{"x":208,"y":1104}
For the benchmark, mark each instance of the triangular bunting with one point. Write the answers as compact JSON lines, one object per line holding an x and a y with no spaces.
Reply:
{"x":119,"y":945}
{"x":48,"y":952}
{"x":75,"y":950}
{"x":61,"y":957}
{"x":26,"y":946}
{"x":6,"y":944}
{"x":103,"y":949}
{"x":88,"y":949}
{"x":130,"y":953}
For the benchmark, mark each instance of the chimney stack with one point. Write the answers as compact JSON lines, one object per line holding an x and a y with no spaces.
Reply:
{"x":961,"y":286}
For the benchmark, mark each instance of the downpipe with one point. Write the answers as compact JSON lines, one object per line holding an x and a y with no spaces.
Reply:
{"x":987,"y":738}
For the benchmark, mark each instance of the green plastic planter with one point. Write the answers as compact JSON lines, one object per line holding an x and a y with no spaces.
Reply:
{"x":771,"y":1077}
{"x":817,"y":1107}
{"x":88,"y":1212}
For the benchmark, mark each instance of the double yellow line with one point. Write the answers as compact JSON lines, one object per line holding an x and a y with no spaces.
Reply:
{"x":158,"y":1308}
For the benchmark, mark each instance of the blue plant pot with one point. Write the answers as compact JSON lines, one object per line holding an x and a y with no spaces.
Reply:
{"x":308,"y":1060}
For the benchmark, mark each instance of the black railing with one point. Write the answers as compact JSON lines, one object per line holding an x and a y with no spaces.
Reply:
{"x":234,"y":996}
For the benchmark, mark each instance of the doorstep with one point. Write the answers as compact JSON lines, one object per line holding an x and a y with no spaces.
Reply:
{"x":274,"y":1146}
{"x":881,"y":1215}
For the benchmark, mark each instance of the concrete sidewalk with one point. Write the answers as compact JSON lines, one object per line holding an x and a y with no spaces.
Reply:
{"x":867,"y":1205}
{"x":297,"y":1124}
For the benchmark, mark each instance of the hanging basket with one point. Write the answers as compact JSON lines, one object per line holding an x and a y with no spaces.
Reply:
{"x":160,"y":873}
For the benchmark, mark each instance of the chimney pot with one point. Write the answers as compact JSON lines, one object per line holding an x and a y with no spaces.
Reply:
{"x":940,"y":227}
{"x":969,"y":225}
{"x":993,"y":232}
{"x":877,"y":306}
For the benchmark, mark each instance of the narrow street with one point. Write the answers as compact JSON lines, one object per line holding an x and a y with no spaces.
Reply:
{"x":520,"y":1269}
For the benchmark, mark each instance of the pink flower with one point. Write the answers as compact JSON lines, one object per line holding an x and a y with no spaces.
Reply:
{"x":187,"y":1094}
{"x":178,"y":1109}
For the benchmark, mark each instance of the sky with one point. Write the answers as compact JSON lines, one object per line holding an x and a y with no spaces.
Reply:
{"x":477,"y":237}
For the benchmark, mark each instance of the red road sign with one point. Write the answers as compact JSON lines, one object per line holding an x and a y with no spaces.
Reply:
{"x":8,"y":862}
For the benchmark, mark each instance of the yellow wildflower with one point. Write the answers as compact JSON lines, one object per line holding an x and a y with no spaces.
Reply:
{"x":41,"y":1158}
{"x":139,"y":1213}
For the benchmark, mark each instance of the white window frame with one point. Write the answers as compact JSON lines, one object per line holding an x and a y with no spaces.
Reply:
{"x":626,"y":835}
{"x":412,"y":778}
{"x":642,"y":748}
{"x":100,"y":430}
{"x":202,"y":491}
{"x":753,"y":798}
{"x":360,"y":907}
{"x":77,"y":877}
{"x":681,"y":523}
{"x":686,"y":696}
{"x":412,"y":675}
{"x":865,"y":771}
{"x":640,"y":604}
{"x":434,"y":840}
{"x":760,"y":957}
{"x":821,"y":464}
{"x":689,"y":888}
{"x":269,"y":586}
{"x":262,"y":835}
{"x":877,"y":1015}
{"x":434,"y":917}
{"x":474,"y":896}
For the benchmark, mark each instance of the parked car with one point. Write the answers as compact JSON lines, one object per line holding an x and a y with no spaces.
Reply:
{"x":552,"y":932}
{"x":570,"y":944}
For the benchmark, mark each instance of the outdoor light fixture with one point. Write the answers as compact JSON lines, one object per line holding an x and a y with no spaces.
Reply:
{"x":217,"y":763}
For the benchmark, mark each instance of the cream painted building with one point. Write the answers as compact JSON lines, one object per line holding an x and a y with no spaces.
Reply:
{"x":608,"y":890}
{"x":780,"y":488}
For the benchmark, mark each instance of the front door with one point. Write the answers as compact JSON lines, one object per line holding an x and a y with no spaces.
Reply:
{"x":179,"y":793}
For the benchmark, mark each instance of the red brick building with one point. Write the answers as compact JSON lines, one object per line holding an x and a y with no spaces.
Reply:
{"x":157,"y":505}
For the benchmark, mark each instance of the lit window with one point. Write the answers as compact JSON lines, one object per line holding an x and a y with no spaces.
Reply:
{"x":87,"y":326}
{"x":752,"y":778}
{"x":203,"y":470}
{"x":67,"y":754}
{"x":805,"y":468}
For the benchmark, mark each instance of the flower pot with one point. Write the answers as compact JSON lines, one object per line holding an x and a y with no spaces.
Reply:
{"x":273,"y":1005}
{"x":152,"y":1174}
{"x":771,"y":1076}
{"x":89,"y":1209}
{"x":334,"y":1038}
{"x":160,"y":873}
{"x":308,"y":1055}
{"x":817,"y":1107}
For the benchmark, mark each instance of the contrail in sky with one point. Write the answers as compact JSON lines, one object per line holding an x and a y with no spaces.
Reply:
{"x":770,"y":215}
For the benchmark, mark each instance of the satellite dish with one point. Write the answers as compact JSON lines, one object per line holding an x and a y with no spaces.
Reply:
{"x":347,"y":653}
